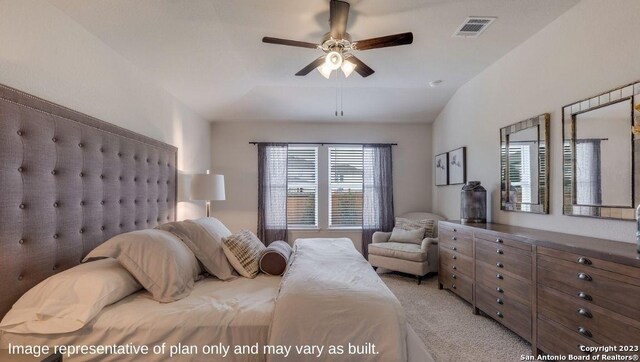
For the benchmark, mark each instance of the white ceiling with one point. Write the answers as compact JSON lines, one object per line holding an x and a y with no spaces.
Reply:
{"x":209,"y":54}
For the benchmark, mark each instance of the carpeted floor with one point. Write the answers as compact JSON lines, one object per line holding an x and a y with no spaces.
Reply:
{"x":448,"y":327}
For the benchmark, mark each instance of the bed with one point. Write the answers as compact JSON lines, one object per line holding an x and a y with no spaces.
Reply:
{"x":76,"y":182}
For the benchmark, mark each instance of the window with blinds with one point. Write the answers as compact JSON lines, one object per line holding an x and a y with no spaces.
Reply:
{"x":345,"y":186}
{"x":302,"y":187}
{"x":520,"y":171}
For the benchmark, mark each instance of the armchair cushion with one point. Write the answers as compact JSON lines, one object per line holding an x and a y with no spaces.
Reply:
{"x":413,"y":236}
{"x":404,"y":251}
{"x":380,"y":237}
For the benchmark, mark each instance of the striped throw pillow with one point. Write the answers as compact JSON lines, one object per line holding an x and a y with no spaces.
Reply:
{"x":428,"y":224}
{"x":243,"y":250}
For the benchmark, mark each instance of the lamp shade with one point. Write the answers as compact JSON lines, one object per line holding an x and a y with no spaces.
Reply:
{"x":207,"y":187}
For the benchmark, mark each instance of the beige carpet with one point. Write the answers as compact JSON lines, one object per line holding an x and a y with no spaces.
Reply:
{"x":448,"y":327}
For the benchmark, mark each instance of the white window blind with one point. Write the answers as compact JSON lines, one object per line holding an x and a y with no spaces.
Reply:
{"x":302,"y":191}
{"x":345,"y":186}
{"x":520,"y":171}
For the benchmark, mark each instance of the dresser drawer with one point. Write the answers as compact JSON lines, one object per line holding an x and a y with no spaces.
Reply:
{"x":452,"y":242}
{"x":555,"y":339}
{"x":491,"y":277}
{"x":455,"y":262}
{"x":457,"y":283}
{"x":512,"y":314}
{"x":573,"y":278}
{"x":598,"y":324}
{"x":509,"y":259}
{"x":590,"y":262}
{"x":503,"y":240}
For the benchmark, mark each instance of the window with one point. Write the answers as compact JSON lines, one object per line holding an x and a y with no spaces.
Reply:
{"x":345,"y":186}
{"x":302,"y":191}
{"x":520,"y":171}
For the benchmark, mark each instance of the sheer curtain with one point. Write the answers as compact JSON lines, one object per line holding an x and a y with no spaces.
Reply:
{"x":272,"y":192}
{"x":377,"y":204}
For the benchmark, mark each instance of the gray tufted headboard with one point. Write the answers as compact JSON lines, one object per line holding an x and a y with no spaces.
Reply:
{"x":69,"y":182}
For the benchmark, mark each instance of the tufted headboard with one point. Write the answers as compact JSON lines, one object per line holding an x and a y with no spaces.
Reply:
{"x":69,"y":182}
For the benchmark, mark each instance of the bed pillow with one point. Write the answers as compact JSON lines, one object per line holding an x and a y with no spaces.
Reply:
{"x":204,"y":238}
{"x":399,"y":235}
{"x":429,"y":226}
{"x":157,"y":259}
{"x":275,"y":258}
{"x":67,"y":301}
{"x":243,"y":250}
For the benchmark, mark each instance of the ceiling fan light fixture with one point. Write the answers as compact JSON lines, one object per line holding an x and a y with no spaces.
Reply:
{"x":325,"y":70}
{"x":333,"y":60}
{"x":347,"y":68}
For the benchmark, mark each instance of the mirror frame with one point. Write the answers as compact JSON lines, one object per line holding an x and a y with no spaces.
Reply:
{"x":569,"y":113}
{"x":542,"y":207}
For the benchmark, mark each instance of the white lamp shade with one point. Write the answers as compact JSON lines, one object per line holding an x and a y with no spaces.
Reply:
{"x":348,"y":68}
{"x":209,"y":187}
{"x":325,"y":70}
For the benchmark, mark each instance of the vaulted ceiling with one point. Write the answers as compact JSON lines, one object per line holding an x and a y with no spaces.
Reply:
{"x":209,"y":54}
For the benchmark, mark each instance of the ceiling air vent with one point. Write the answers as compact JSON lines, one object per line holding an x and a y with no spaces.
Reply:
{"x":473,"y":26}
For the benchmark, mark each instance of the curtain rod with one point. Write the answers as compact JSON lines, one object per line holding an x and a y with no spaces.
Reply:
{"x":327,"y":143}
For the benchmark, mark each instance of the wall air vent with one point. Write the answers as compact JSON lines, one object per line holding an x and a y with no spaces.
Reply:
{"x":473,"y":26}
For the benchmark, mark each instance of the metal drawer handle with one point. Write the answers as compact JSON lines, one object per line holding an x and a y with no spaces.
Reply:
{"x":499,"y":301}
{"x":500,"y":251}
{"x":498,"y":240}
{"x":585,"y":312}
{"x":454,"y":267}
{"x":454,"y":238}
{"x":454,"y":248}
{"x":585,"y":276}
{"x":499,"y":276}
{"x":582,"y":348}
{"x":499,"y":265}
{"x":499,"y":290}
{"x":583,"y":260}
{"x":454,"y":276}
{"x":585,"y":332}
{"x":455,"y":230}
{"x":455,"y":257}
{"x":584,"y":296}
{"x":453,"y":286}
{"x":499,"y":314}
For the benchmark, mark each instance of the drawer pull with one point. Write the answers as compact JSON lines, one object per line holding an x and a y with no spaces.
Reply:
{"x":500,"y":251}
{"x":454,"y":276}
{"x":584,"y":296}
{"x":453,"y":286}
{"x":455,"y":230}
{"x":454,"y":249}
{"x":454,"y":267}
{"x":499,"y":290}
{"x":499,"y":276}
{"x":498,"y":240}
{"x":455,"y":257}
{"x":499,"y":265}
{"x":583,"y":260}
{"x":585,"y":276}
{"x":499,"y":314}
{"x":454,"y":238}
{"x":585,"y":332}
{"x":499,"y":301}
{"x":585,"y":312}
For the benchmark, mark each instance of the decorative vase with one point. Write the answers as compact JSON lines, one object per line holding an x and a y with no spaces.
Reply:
{"x":473,"y":203}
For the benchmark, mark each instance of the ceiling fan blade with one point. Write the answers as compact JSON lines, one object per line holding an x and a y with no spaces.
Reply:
{"x":384,"y":41}
{"x":338,"y":16}
{"x":313,"y":65}
{"x":293,"y":43}
{"x":361,"y":68}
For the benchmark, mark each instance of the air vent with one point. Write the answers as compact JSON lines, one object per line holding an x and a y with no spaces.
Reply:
{"x":473,"y":26}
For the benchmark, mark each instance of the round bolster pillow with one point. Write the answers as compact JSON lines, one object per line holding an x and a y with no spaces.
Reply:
{"x":275,"y":258}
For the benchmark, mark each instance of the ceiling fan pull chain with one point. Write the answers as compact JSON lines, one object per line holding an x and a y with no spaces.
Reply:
{"x":336,"y":94}
{"x":341,"y":97}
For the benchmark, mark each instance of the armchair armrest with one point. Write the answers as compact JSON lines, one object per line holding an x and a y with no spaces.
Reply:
{"x":426,"y":242}
{"x":380,"y":237}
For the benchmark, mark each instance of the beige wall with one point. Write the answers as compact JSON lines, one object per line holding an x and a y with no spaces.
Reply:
{"x":233,"y":156}
{"x":45,"y":53}
{"x":588,"y":50}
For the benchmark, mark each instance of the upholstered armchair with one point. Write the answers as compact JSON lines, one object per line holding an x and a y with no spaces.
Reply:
{"x":419,"y":258}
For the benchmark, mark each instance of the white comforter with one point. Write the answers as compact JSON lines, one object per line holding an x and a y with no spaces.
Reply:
{"x":330,"y":296}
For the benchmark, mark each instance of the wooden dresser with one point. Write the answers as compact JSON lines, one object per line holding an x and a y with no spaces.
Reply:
{"x":558,"y":291}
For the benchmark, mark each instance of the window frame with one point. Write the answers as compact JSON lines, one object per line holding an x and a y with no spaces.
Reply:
{"x":330,"y":184}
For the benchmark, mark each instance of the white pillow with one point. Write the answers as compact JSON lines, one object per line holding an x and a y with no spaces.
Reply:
{"x":162,"y":263}
{"x":67,"y":301}
{"x":399,"y":235}
{"x":243,"y":251}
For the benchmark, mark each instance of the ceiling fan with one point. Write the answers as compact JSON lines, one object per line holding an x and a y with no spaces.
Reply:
{"x":339,"y":47}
